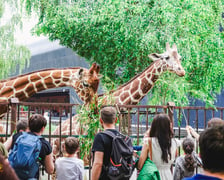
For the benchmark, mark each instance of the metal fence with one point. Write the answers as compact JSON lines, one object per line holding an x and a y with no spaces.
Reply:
{"x":134,"y":120}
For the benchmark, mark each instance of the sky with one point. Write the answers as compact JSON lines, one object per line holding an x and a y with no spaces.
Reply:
{"x":23,"y":36}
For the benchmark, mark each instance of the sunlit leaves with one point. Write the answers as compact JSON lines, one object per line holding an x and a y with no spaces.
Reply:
{"x":120,"y":34}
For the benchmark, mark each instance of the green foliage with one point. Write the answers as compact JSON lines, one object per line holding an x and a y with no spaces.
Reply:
{"x":11,"y":54}
{"x":90,"y":124}
{"x":119,"y":34}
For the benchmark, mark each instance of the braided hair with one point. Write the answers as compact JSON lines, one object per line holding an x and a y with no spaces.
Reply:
{"x":188,"y":147}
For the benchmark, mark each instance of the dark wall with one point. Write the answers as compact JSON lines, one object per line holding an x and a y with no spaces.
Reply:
{"x":56,"y":58}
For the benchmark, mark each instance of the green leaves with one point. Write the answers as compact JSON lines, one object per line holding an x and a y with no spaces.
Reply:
{"x":119,"y":35}
{"x":11,"y":54}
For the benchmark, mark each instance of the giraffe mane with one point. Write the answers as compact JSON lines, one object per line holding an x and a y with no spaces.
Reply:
{"x":132,"y":79}
{"x":41,"y":70}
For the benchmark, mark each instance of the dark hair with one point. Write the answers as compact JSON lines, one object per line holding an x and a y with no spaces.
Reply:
{"x":37,"y":122}
{"x":215,"y":122}
{"x":211,"y":143}
{"x":71,"y":145}
{"x":22,"y":125}
{"x":6,"y":171}
{"x":161,"y":129}
{"x":108,"y":114}
{"x":188,"y":147}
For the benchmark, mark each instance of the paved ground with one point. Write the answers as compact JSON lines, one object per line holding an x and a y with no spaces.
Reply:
{"x":86,"y":176}
{"x":133,"y":177}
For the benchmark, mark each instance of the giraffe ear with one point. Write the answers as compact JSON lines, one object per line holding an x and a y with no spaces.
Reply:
{"x":154,"y":56}
{"x":99,"y":76}
{"x":80,"y":73}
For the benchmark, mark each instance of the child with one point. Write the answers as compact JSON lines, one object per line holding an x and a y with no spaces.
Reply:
{"x":70,"y":167}
{"x":185,"y":164}
{"x":21,"y":126}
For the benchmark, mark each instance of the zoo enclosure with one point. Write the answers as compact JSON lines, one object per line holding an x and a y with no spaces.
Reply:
{"x":134,"y":120}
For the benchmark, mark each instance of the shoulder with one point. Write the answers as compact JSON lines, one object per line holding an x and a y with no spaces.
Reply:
{"x":79,"y":161}
{"x":58,"y":160}
{"x":15,"y":136}
{"x":147,"y":141}
{"x":201,"y":177}
{"x":176,"y":142}
{"x":102,"y":135}
{"x":45,"y":145}
{"x":180,"y":159}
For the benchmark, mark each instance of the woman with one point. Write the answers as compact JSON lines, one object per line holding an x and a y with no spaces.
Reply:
{"x":185,"y":164}
{"x":160,"y":146}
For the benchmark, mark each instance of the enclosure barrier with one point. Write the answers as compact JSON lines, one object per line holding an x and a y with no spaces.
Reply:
{"x":134,"y":120}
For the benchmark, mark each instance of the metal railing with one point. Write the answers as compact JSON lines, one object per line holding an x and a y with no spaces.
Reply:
{"x":134,"y":120}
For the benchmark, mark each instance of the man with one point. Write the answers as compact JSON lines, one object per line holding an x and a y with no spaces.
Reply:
{"x":37,"y":124}
{"x":211,"y":143}
{"x":102,"y":144}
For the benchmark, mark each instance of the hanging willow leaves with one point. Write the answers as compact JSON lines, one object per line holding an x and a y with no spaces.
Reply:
{"x":12,"y":55}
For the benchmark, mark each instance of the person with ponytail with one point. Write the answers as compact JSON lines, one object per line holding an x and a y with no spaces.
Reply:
{"x":185,"y":165}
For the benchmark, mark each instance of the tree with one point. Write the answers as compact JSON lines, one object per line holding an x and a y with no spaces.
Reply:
{"x":119,"y":35}
{"x":11,"y":54}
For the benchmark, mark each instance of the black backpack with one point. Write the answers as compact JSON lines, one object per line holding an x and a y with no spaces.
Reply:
{"x":121,"y":164}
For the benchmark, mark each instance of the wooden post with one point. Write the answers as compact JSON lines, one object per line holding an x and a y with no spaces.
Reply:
{"x":170,"y":111}
{"x":14,"y":102}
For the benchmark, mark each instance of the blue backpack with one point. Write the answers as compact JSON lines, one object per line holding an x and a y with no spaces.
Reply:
{"x":24,"y":157}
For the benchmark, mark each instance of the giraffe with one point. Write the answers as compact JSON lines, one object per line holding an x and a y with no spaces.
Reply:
{"x":134,"y":90}
{"x":84,"y":81}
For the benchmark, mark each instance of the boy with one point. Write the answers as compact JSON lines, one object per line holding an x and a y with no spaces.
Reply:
{"x":70,"y":167}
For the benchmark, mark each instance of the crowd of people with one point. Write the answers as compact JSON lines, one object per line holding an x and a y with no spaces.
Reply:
{"x":159,"y":146}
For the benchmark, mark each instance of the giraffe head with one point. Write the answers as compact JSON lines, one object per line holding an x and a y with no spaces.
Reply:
{"x":171,"y":60}
{"x":88,"y":82}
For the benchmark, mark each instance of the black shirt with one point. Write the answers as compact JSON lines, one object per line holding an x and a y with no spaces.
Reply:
{"x":103,"y":143}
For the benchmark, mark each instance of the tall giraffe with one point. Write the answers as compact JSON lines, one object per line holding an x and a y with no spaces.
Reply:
{"x":84,"y":81}
{"x":132,"y":92}
{"x":135,"y":89}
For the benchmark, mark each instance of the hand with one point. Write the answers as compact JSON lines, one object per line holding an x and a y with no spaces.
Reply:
{"x":193,"y":132}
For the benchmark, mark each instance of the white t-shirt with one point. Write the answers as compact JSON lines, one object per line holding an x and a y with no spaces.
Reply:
{"x":69,"y":168}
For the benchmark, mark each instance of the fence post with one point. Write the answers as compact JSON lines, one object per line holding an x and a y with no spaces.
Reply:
{"x":170,"y":111}
{"x":14,"y":102}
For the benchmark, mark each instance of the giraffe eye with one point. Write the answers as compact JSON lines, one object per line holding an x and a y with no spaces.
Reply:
{"x":85,"y":84}
{"x":167,"y":57}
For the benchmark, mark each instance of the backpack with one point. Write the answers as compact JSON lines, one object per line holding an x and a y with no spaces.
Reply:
{"x":121,"y":164}
{"x":149,"y":171}
{"x":24,"y":156}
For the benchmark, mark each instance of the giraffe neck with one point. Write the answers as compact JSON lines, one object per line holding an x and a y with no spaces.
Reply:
{"x":133,"y":91}
{"x":25,"y":86}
